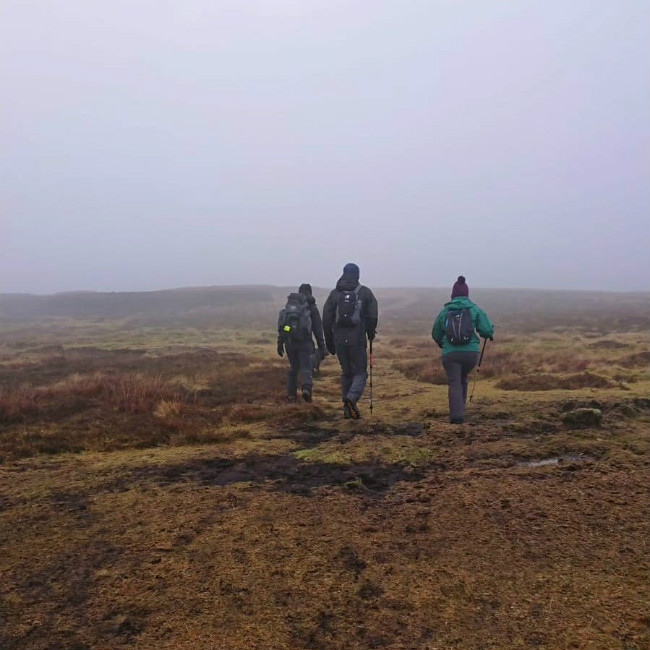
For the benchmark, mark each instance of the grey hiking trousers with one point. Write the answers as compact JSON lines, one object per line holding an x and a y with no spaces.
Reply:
{"x":300,"y":361}
{"x":458,"y":365}
{"x":354,"y":361}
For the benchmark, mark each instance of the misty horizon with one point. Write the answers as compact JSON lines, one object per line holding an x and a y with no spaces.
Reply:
{"x":321,"y":288}
{"x":149,"y":146}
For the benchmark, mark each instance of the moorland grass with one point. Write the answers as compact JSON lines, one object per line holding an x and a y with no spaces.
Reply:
{"x":157,"y":491}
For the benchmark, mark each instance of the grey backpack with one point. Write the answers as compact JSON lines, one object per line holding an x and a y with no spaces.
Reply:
{"x":294,"y":320}
{"x":348,"y":308}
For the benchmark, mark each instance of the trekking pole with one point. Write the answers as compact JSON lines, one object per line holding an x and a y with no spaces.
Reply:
{"x":478,"y":369}
{"x":370,"y":376}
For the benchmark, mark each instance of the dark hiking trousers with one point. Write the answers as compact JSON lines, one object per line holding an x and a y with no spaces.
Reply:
{"x":300,"y":360}
{"x":353,"y":360}
{"x":458,"y":365}
{"x":315,"y":359}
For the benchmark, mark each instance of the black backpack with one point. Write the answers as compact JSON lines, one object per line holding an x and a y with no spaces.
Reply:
{"x":459,"y":327}
{"x":348,"y":308}
{"x":294,"y":319}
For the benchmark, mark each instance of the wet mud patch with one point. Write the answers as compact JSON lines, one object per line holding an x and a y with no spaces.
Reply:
{"x":529,"y":429}
{"x":311,"y":436}
{"x":280,"y":472}
{"x":72,"y":502}
{"x":412,"y":429}
{"x":307,"y":437}
{"x":350,"y":560}
{"x":564,"y":460}
{"x":125,"y":624}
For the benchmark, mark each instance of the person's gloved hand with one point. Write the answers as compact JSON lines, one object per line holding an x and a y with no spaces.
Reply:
{"x":371,"y":335}
{"x":322,"y":352}
{"x":330,"y":347}
{"x":280,"y":348}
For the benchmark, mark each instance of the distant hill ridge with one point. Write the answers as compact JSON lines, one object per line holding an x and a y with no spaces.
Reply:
{"x":408,"y":309}
{"x":122,"y":304}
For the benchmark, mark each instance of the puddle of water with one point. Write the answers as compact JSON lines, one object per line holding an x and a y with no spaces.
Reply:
{"x":540,"y":463}
{"x":554,"y":460}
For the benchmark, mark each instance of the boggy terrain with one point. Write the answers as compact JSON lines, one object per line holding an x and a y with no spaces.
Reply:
{"x":157,"y":492}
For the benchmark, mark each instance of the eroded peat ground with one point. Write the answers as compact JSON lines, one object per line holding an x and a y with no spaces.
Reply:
{"x":162,"y":495}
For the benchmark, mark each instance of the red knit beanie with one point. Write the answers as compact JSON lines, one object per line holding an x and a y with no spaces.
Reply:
{"x":460,"y":288}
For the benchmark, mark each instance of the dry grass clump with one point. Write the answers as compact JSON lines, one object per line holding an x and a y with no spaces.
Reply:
{"x":429,"y":371}
{"x":636,"y":360}
{"x":623,"y":376}
{"x":245,"y":381}
{"x":279,"y":413}
{"x":132,"y":393}
{"x":140,"y":393}
{"x":16,"y":402}
{"x":403,"y":347}
{"x":234,"y":378}
{"x":250,"y":413}
{"x":498,"y":363}
{"x":178,"y":398}
{"x":168,"y":410}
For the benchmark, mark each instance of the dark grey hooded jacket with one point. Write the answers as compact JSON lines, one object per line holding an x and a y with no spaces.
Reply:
{"x":336,"y":336}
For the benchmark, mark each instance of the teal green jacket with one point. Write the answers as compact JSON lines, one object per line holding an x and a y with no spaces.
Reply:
{"x":481,"y":322}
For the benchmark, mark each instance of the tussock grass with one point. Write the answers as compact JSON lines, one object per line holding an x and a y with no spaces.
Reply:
{"x":137,"y":401}
{"x":168,"y":410}
{"x":554,"y":382}
{"x":639,"y":359}
{"x":425,"y":370}
{"x":132,"y":393}
{"x":596,"y":364}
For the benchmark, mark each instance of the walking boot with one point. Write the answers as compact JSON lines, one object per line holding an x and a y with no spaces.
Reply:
{"x":354,"y":411}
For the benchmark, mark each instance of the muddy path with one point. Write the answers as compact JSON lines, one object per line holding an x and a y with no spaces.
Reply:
{"x":337,"y":535}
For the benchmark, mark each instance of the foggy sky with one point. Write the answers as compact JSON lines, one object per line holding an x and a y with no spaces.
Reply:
{"x":149,"y":144}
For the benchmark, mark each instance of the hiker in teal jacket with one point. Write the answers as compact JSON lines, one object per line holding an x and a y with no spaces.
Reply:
{"x":459,"y":358}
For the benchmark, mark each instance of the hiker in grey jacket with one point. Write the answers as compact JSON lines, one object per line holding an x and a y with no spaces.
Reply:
{"x":300,"y":352}
{"x":350,"y":318}
{"x":459,"y":358}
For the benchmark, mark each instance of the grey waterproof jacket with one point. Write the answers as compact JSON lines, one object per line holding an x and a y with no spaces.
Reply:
{"x":335,"y":335}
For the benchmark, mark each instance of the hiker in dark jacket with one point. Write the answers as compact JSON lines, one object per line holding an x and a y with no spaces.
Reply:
{"x":460,"y":357}
{"x":346,"y":334}
{"x":300,"y":352}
